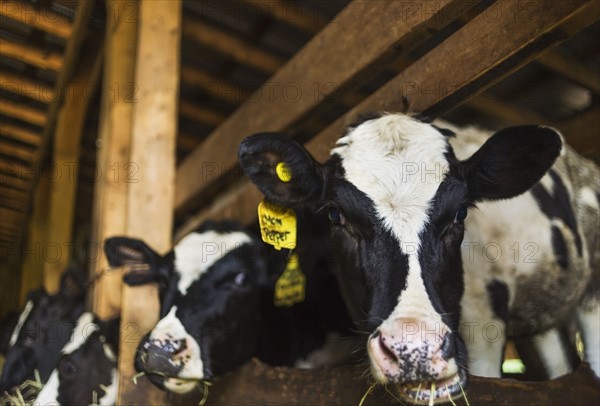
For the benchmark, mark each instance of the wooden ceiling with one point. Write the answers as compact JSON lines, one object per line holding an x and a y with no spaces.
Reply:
{"x":228,"y":51}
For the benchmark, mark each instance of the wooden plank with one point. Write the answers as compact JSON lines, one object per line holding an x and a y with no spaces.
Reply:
{"x":27,"y":87}
{"x":32,"y":268}
{"x":291,"y":14}
{"x":23,"y":112}
{"x":212,"y":85}
{"x":20,"y":134}
{"x":238,"y":49}
{"x":201,"y":114}
{"x":66,"y":152}
{"x":31,"y":55}
{"x":336,"y":56}
{"x":44,"y":20}
{"x":452,"y":67}
{"x":572,"y":69}
{"x":22,"y":153}
{"x":153,"y":137}
{"x":113,"y":156}
{"x":583,"y":133}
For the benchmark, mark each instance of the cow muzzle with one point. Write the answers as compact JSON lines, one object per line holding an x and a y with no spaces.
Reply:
{"x":419,"y":358}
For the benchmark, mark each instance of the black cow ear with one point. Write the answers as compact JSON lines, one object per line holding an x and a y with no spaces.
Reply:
{"x":141,"y":260}
{"x":511,"y":161}
{"x":261,"y":154}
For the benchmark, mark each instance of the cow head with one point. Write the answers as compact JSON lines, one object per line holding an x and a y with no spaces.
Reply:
{"x":86,"y":372}
{"x":43,"y":328}
{"x":397,"y":197}
{"x":209,"y":291}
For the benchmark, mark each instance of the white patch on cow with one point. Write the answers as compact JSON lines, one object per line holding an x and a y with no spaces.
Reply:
{"x":84,"y":328}
{"x":399,"y":163}
{"x":49,"y":393}
{"x":552,"y":353}
{"x":110,"y":396}
{"x":589,"y":321}
{"x":171,"y":328}
{"x":108,"y":352}
{"x":548,"y":184}
{"x":588,"y":197}
{"x":22,"y":319}
{"x":196,"y":253}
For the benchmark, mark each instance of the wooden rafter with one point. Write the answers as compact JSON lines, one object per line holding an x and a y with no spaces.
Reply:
{"x":16,"y":151}
{"x":23,"y":112}
{"x":202,"y":114}
{"x":44,"y":20}
{"x":290,"y":13}
{"x":27,"y":87}
{"x":20,"y":134}
{"x":571,"y":69}
{"x":31,"y":55}
{"x":212,"y":85}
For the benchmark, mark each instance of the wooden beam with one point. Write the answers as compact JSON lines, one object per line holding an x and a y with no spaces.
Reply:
{"x":20,"y":134}
{"x":238,"y":49}
{"x":291,"y":14}
{"x":27,"y":87}
{"x":31,"y":55}
{"x":212,"y":85}
{"x":12,"y":193}
{"x":335,"y":57}
{"x":113,"y":161}
{"x":153,"y":138}
{"x":582,"y":133}
{"x":201,"y":114}
{"x":23,"y":112}
{"x":42,"y":19}
{"x":571,"y":69}
{"x":452,"y":68}
{"x":66,"y":152}
{"x":32,"y":268}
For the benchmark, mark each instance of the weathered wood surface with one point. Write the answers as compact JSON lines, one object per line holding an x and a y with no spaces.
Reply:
{"x":460,"y":68}
{"x":259,"y":384}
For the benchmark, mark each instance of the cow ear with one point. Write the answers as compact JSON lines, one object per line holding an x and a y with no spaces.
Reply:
{"x":510,"y":162}
{"x":73,"y":282}
{"x":141,"y":260}
{"x":261,"y":154}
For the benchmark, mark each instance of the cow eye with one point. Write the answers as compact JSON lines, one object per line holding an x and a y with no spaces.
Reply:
{"x":335,"y":216}
{"x":461,"y":215}
{"x":240,"y":279}
{"x":67,"y":368}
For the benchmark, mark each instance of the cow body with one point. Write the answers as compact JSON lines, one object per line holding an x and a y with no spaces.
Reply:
{"x":43,"y":328}
{"x":398,"y":194}
{"x":86,"y":372}
{"x":216,"y":293}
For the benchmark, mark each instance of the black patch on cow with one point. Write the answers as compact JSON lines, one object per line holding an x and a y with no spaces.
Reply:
{"x":558,"y":205}
{"x":499,"y":296}
{"x":444,"y":131}
{"x":560,"y":248}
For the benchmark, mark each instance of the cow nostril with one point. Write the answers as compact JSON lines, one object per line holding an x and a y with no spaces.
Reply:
{"x":448,"y":347}
{"x":386,"y":350}
{"x":176,"y":346}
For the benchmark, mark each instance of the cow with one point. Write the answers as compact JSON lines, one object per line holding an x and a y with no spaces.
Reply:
{"x":42,"y":330}
{"x":217,"y":306}
{"x":86,"y":372}
{"x":397,"y":191}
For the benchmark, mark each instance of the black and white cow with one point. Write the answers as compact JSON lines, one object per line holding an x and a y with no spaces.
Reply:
{"x":86,"y":372}
{"x":43,"y":328}
{"x":398,"y":192}
{"x":216,"y":293}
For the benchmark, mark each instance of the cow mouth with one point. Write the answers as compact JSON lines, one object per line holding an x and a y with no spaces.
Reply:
{"x":432,"y":392}
{"x":174,"y":383}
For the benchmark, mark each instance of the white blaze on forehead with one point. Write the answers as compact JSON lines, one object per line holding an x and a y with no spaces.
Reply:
{"x":196,"y":253}
{"x":171,"y":328}
{"x":49,"y":393}
{"x":22,"y":319}
{"x":84,"y":328}
{"x":399,"y":163}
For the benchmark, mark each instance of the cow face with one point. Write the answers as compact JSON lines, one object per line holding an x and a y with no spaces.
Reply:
{"x":209,"y":288}
{"x":396,"y":198}
{"x":73,"y":381}
{"x":43,"y":328}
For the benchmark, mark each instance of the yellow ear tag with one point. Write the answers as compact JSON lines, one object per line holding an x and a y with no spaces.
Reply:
{"x":290,"y":287}
{"x":284,"y":172}
{"x":277,"y":225}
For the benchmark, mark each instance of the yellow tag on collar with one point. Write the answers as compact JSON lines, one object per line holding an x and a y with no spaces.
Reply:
{"x":290,"y":287}
{"x":277,"y":225}
{"x":284,"y":172}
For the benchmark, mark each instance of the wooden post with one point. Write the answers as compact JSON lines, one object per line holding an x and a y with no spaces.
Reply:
{"x":67,"y":145}
{"x":150,"y":203}
{"x":114,"y":139}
